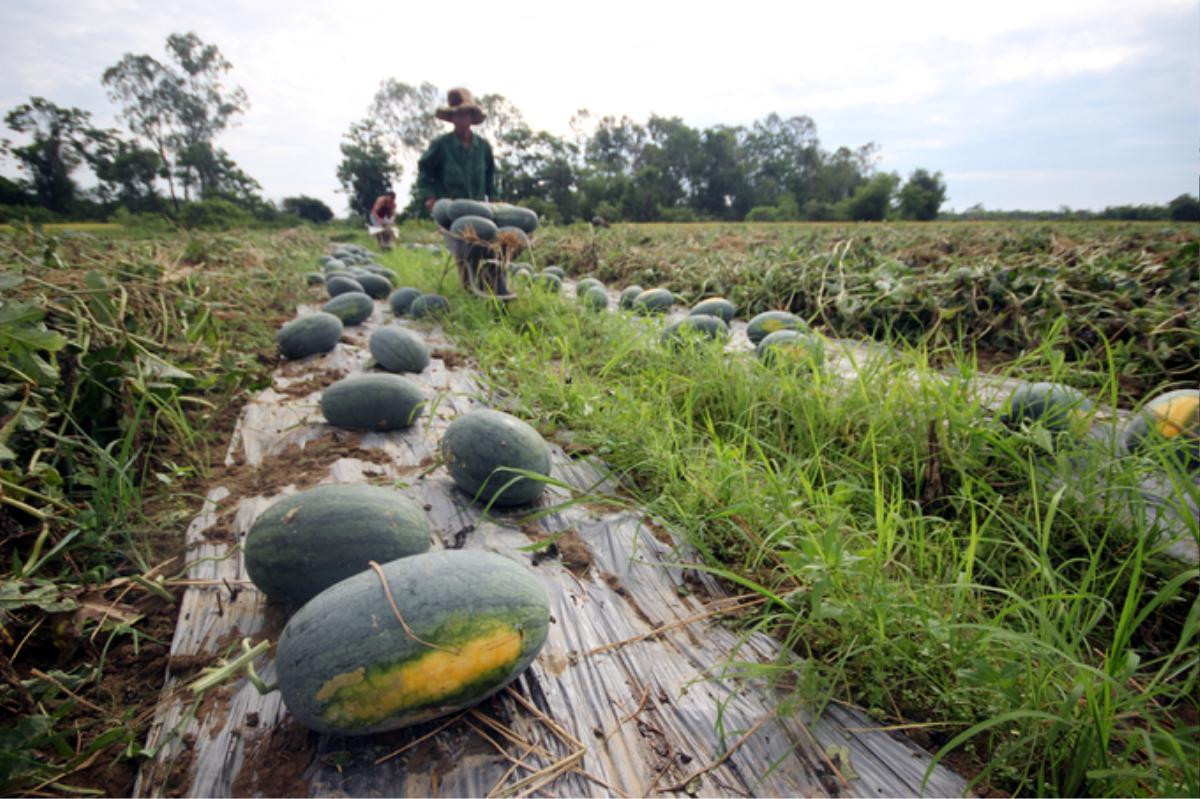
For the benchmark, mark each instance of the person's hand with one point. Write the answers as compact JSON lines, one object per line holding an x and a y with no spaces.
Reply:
{"x":429,"y":203}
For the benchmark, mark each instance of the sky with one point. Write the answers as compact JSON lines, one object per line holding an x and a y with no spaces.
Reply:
{"x":1020,"y":104}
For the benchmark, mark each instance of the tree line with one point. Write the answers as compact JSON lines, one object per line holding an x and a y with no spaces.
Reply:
{"x":167,"y":162}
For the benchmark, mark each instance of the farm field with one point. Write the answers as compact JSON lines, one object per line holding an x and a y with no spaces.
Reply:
{"x":919,"y":556}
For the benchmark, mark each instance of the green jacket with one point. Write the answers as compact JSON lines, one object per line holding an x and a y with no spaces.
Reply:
{"x":448,"y":169}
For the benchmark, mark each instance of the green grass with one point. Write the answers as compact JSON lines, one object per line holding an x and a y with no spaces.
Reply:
{"x":922,"y":560}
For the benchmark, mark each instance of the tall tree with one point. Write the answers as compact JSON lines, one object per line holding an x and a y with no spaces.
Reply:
{"x":871,"y":201}
{"x":922,"y":195}
{"x":179,"y":109}
{"x":59,"y":141}
{"x":367,"y":169}
{"x":782,"y":157}
{"x":127,"y":172}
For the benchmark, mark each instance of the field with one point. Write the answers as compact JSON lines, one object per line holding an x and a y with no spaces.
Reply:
{"x":926,"y":562}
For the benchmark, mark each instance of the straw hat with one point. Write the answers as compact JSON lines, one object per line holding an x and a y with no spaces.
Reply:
{"x":457,"y":100}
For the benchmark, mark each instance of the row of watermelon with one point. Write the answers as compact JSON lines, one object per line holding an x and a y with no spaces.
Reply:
{"x":1168,"y":423}
{"x":467,"y":622}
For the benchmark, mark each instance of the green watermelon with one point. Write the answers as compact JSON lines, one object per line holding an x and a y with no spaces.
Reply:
{"x":352,"y":307}
{"x":431,"y":305}
{"x":768,"y":322}
{"x":309,"y":335}
{"x":1169,"y":423}
{"x":472,"y":622}
{"x":586,"y":283}
{"x":375,"y":286}
{"x":691,"y":329}
{"x":557,"y":271}
{"x":595,"y":298}
{"x":441,"y":212}
{"x":716,"y":306}
{"x":628,"y":296}
{"x":402,"y":299}
{"x":791,"y":347}
{"x":515,"y":216}
{"x":340,"y":285}
{"x":480,"y":447}
{"x":315,"y":279}
{"x":375,"y":402}
{"x":1053,"y":405}
{"x":305,"y":543}
{"x":549,"y":281}
{"x":398,"y":349}
{"x":653,"y":301}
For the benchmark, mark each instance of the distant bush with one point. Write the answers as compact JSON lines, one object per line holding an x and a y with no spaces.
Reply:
{"x":678,"y":214}
{"x":309,"y":208}
{"x":763,"y":213}
{"x":215,"y":214}
{"x":35,"y":214}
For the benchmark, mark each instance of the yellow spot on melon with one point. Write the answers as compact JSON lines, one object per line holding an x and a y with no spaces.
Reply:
{"x":1178,"y":415}
{"x":359,"y":698}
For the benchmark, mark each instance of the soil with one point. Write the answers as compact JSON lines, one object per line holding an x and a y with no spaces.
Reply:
{"x":568,"y":546}
{"x":275,"y":761}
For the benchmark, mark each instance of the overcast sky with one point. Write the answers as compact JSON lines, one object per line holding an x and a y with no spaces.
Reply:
{"x":1030,"y":104}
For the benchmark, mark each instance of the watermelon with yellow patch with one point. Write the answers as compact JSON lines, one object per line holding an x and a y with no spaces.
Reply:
{"x":1169,"y":423}
{"x":472,"y":622}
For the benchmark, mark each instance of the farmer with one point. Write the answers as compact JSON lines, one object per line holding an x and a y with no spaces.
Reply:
{"x":383,"y":217}
{"x":459,"y":164}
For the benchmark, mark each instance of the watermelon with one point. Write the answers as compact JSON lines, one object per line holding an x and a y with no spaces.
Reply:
{"x":402,"y":299}
{"x":457,"y":209}
{"x":689,"y":329}
{"x":480,"y":446}
{"x":375,"y":286}
{"x":353,"y":307}
{"x":653,"y":301}
{"x":515,"y":216}
{"x":383,"y":272}
{"x":309,"y":335}
{"x":770,"y":321}
{"x":595,"y":298}
{"x":472,"y":622}
{"x":340,"y":284}
{"x":628,"y":296}
{"x":398,"y":349}
{"x":791,"y":347}
{"x":375,"y":402}
{"x":556,"y":270}
{"x":715,"y":306}
{"x":429,"y":305}
{"x":441,"y":212}
{"x":586,"y":283}
{"x":549,"y":281}
{"x":511,"y":241}
{"x":315,"y":279}
{"x":1053,"y":405}
{"x":305,"y":543}
{"x":1169,"y":423}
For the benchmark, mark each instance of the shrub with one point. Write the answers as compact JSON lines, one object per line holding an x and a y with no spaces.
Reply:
{"x":215,"y":214}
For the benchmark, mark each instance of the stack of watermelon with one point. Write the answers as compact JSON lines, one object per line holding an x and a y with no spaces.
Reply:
{"x":473,"y":229}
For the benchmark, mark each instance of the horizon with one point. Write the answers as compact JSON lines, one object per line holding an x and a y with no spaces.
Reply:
{"x":1031,"y":107}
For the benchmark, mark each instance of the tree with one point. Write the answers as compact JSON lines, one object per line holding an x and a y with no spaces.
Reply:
{"x":922,"y":196}
{"x":367,"y":169}
{"x":309,"y":208}
{"x":127,"y":172}
{"x":59,"y":144}
{"x":782,"y":157}
{"x":870,"y":202}
{"x":179,"y":110}
{"x":1185,"y":208}
{"x":723,"y":190}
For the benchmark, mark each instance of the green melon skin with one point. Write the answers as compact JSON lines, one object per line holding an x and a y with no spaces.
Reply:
{"x":586,"y":283}
{"x":1169,"y":423}
{"x":429,"y":305}
{"x":315,"y":279}
{"x":375,"y":286}
{"x":653,"y":301}
{"x":373,"y":402}
{"x":441,"y":212}
{"x":383,"y":272}
{"x":353,"y":307}
{"x":346,"y":665}
{"x":309,"y":335}
{"x":719,"y":307}
{"x":305,"y":543}
{"x":768,"y":322}
{"x":460,"y":208}
{"x":515,"y":216}
{"x":549,"y":282}
{"x":595,"y":298}
{"x":479,"y":443}
{"x":689,"y":329}
{"x":628,"y":296}
{"x":340,"y":284}
{"x":398,"y":350}
{"x":556,"y":270}
{"x":402,"y":299}
{"x":1055,"y":406}
{"x":791,"y":347}
{"x":484,"y":229}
